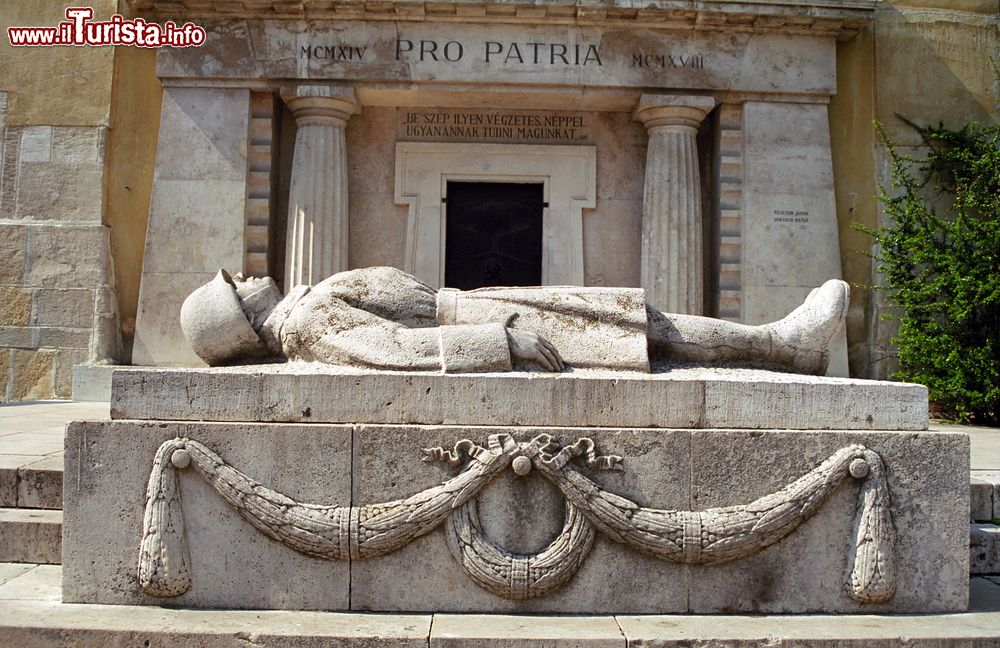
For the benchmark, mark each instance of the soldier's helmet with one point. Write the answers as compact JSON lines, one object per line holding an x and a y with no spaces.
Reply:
{"x":215,"y":325}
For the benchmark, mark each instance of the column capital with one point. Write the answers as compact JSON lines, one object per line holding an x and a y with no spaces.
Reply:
{"x":321,"y":104}
{"x":681,"y":113}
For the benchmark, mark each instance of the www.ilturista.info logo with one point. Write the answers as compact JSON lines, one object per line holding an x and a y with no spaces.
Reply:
{"x":79,"y":29}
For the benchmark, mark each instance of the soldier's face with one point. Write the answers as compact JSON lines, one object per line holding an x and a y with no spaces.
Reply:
{"x":251,"y":285}
{"x":256,"y":291}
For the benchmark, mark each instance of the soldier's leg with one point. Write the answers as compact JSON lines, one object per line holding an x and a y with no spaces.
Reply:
{"x":796,"y":343}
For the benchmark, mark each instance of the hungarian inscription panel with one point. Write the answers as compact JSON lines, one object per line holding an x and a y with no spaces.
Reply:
{"x":799,"y":216}
{"x":523,"y":127}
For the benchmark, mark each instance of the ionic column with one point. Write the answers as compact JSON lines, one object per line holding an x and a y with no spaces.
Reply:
{"x":316,"y":237}
{"x":671,"y":208}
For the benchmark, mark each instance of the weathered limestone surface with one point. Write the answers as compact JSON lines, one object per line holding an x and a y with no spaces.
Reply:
{"x":31,"y":614}
{"x":523,"y":515}
{"x":984,"y":503}
{"x":197,"y":212}
{"x":8,"y":478}
{"x":40,"y":484}
{"x":672,"y":265}
{"x":731,"y":466}
{"x":611,"y":228}
{"x":676,"y":398}
{"x":30,"y":535}
{"x":502,"y":631}
{"x":741,"y":62}
{"x":234,"y":565}
{"x":980,"y":499}
{"x":92,"y":383}
{"x":790,"y":230}
{"x":104,"y":509}
{"x":55,"y":283}
{"x":984,"y":549}
{"x":317,"y":232}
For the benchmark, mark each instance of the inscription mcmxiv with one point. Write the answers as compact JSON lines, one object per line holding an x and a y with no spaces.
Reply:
{"x":334,"y":52}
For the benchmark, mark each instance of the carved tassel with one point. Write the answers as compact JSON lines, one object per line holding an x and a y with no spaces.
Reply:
{"x":164,"y":562}
{"x":871,"y":577}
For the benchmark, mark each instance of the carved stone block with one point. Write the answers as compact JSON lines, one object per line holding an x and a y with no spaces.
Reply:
{"x":928,"y":488}
{"x":523,"y":515}
{"x":232,"y":564}
{"x":514,"y":519}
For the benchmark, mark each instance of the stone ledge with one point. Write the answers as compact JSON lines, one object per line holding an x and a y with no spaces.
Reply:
{"x":31,"y":614}
{"x":985,"y":495}
{"x":679,"y":398}
{"x":840,"y":18}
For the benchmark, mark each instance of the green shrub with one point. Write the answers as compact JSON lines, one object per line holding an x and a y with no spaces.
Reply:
{"x":940,"y":258}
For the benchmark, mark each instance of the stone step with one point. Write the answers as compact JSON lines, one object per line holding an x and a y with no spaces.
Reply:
{"x":984,"y":495}
{"x":31,"y":482}
{"x":984,"y":549}
{"x":31,"y":614}
{"x":30,"y":536}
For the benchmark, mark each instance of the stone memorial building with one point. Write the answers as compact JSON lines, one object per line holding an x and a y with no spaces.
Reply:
{"x":714,"y":153}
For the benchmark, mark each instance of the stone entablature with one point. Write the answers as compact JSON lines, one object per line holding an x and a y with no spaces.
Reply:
{"x":838,"y":18}
{"x":262,"y":52}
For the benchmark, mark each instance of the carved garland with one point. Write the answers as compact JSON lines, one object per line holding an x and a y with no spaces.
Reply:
{"x":692,"y":537}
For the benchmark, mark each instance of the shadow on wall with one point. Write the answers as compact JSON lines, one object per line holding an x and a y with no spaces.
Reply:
{"x":932,"y":64}
{"x":929,"y":61}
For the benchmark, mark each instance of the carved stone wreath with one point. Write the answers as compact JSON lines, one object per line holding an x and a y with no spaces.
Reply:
{"x":353,"y":532}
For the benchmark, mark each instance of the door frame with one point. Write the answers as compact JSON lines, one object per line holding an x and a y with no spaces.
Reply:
{"x":568,"y":175}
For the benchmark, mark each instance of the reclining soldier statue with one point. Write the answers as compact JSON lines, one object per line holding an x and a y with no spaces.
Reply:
{"x":384,"y":318}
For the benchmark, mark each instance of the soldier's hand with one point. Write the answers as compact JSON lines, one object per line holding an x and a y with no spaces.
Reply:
{"x":526,"y":346}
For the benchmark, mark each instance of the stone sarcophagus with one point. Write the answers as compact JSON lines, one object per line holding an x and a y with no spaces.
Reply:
{"x":686,"y":490}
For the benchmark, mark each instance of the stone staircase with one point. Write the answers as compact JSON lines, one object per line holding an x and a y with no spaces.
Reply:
{"x":31,"y":477}
{"x":984,"y":534}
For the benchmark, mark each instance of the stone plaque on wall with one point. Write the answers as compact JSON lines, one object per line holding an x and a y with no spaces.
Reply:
{"x":506,"y":126}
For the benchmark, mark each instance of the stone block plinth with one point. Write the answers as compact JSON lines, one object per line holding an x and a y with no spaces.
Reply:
{"x":469,"y":508}
{"x":678,"y":398}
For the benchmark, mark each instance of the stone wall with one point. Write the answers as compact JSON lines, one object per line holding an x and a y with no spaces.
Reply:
{"x":57,"y":302}
{"x":927,"y":60}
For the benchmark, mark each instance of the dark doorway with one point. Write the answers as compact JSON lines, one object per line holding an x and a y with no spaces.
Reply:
{"x":493,"y":235}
